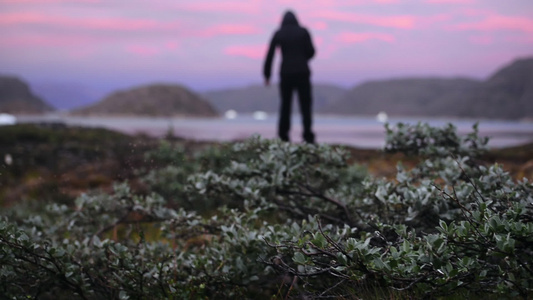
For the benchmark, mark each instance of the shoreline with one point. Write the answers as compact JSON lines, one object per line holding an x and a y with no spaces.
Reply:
{"x":359,"y":132}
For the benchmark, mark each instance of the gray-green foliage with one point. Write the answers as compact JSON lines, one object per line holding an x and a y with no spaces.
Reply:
{"x":423,"y":139}
{"x":266,"y":218}
{"x":485,"y":247}
{"x":297,"y":179}
{"x":448,"y":226}
{"x":176,"y":165}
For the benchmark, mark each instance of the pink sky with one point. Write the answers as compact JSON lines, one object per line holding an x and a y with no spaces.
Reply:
{"x":208,"y":44}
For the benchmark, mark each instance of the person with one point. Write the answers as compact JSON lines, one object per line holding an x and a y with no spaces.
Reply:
{"x":296,"y":51}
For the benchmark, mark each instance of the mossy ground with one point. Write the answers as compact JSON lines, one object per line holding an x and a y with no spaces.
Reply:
{"x":52,"y":162}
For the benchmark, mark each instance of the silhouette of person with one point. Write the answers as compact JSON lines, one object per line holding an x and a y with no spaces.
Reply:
{"x":296,"y":51}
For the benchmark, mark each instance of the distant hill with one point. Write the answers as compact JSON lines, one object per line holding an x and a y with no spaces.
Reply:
{"x":508,"y":94}
{"x":152,"y":100}
{"x":17,"y":98}
{"x":260,"y":98}
{"x":403,"y":97}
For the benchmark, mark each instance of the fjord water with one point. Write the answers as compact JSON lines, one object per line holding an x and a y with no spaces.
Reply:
{"x":362,"y":132}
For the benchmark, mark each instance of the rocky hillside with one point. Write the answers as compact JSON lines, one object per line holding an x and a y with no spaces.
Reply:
{"x":17,"y":98}
{"x":260,"y":98}
{"x":404,"y":97}
{"x":152,"y":100}
{"x":508,"y":94}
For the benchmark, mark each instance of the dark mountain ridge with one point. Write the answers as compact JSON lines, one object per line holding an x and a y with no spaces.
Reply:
{"x":166,"y":100}
{"x":507,"y":94}
{"x":261,"y":98}
{"x":17,"y":98}
{"x":409,"y":96}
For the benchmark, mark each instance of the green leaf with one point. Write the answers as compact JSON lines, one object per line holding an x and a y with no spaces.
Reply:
{"x":319,"y":240}
{"x":299,"y":258}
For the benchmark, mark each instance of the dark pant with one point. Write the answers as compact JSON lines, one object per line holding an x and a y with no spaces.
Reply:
{"x":302,"y":84}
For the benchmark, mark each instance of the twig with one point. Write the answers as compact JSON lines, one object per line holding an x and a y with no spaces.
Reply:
{"x":333,"y":243}
{"x":331,"y":288}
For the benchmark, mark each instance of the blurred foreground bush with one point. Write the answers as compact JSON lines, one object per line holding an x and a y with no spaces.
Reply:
{"x":267,"y":219}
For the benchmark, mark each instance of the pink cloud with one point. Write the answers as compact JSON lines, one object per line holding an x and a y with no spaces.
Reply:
{"x":351,"y":37}
{"x":143,"y":50}
{"x":481,"y":39}
{"x":49,"y":1}
{"x":23,"y":18}
{"x":320,"y":25}
{"x":82,"y":52}
{"x":247,"y":7}
{"x":75,"y":47}
{"x":319,"y":41}
{"x":451,"y":1}
{"x":400,"y":22}
{"x":497,"y":22}
{"x":229,"y":29}
{"x":120,"y":24}
{"x":520,"y":39}
{"x":254,"y":52}
{"x":425,"y":21}
{"x":325,"y":50}
{"x":387,"y":1}
{"x":33,"y":40}
{"x":476,"y":12}
{"x":172,"y":45}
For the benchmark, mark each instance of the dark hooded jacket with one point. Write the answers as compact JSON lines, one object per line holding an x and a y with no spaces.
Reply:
{"x":296,"y":48}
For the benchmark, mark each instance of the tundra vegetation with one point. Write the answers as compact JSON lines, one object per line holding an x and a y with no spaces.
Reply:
{"x":269,"y":220}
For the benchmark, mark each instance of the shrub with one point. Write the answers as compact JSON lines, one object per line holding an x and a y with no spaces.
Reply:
{"x":266,"y":219}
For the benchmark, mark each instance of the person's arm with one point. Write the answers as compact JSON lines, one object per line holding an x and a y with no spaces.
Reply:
{"x":267,"y":68}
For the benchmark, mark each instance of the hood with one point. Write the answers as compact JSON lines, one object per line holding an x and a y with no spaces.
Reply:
{"x":289,"y":19}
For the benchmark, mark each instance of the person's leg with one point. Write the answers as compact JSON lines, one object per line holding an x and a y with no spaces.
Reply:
{"x":286,"y":90}
{"x":306,"y":104}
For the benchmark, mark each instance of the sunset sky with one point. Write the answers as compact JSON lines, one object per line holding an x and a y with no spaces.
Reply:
{"x":207,"y":44}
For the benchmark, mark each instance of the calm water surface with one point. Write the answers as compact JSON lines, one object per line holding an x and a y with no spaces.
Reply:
{"x":363,"y":132}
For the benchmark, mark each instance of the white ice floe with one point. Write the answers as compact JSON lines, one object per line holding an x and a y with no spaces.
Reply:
{"x":260,"y":115}
{"x":7,"y":119}
{"x":230,"y":114}
{"x":382,"y":117}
